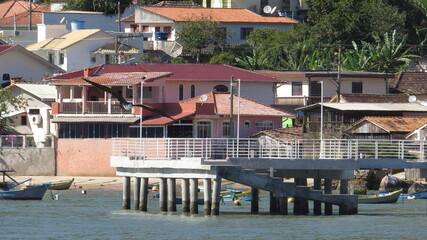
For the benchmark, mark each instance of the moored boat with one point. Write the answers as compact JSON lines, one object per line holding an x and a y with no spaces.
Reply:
{"x":231,"y":195}
{"x":61,"y":185}
{"x":12,"y":190}
{"x":415,"y":195}
{"x":390,"y":197}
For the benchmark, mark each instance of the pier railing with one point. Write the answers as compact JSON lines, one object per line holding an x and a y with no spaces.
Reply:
{"x":223,"y":148}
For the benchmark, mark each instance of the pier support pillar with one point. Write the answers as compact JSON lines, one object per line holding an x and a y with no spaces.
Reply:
{"x":343,"y":190}
{"x":194,"y":208}
{"x":283,"y":206}
{"x":254,"y":200}
{"x":126,"y":193}
{"x":171,"y":195}
{"x":185,"y":192}
{"x":136,"y":192}
{"x":143,"y":200}
{"x":317,"y":205}
{"x":207,"y":196}
{"x":274,"y":204}
{"x":216,"y":196}
{"x":300,"y":205}
{"x":163,"y":192}
{"x":328,"y":190}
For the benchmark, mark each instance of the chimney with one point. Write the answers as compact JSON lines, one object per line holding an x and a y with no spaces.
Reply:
{"x":87,"y":72}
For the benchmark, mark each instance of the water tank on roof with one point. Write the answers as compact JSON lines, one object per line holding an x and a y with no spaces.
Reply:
{"x":161,"y":36}
{"x":77,"y":25}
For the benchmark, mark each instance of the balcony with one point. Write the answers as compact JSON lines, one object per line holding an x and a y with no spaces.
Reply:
{"x":93,"y":107}
{"x":301,"y":100}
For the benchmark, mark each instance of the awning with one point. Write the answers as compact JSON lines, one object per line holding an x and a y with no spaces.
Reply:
{"x":95,"y":119}
{"x":160,"y":120}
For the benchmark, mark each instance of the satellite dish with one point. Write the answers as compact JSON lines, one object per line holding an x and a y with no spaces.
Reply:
{"x":412,"y":99}
{"x":62,"y":20}
{"x":272,"y":10}
{"x":267,"y":9}
{"x":203,"y":98}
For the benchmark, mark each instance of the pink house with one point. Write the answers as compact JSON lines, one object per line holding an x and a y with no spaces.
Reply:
{"x":88,"y":118}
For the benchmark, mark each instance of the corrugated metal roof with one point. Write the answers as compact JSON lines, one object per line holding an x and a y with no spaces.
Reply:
{"x":42,"y":91}
{"x":64,"y":41}
{"x":122,"y":48}
{"x":95,"y":119}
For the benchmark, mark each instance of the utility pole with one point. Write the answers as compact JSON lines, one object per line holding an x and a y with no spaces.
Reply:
{"x":118,"y":16}
{"x":339,"y":75}
{"x":29,"y":15}
{"x":231,"y":135}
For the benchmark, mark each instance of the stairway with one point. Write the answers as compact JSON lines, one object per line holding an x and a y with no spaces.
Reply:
{"x":284,"y":189}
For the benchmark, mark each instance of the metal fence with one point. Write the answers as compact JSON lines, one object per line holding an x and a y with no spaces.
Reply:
{"x":223,"y":148}
{"x":22,"y":141}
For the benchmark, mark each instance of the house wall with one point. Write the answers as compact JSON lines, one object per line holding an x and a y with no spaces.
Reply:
{"x":18,"y":64}
{"x":84,"y":157}
{"x":29,"y":161}
{"x":262,"y":92}
{"x":78,"y":56}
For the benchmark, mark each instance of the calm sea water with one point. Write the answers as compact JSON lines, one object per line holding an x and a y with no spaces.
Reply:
{"x":98,"y":215}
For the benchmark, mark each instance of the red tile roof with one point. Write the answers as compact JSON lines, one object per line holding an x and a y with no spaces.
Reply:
{"x":160,"y":120}
{"x":396,"y":124}
{"x":8,"y":9}
{"x":372,"y":98}
{"x":206,"y":72}
{"x":248,"y":107}
{"x":410,"y":83}
{"x":5,"y":48}
{"x":98,"y":70}
{"x":119,"y":79}
{"x":217,"y":14}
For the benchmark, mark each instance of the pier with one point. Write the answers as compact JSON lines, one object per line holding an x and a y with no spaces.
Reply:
{"x":261,"y":164}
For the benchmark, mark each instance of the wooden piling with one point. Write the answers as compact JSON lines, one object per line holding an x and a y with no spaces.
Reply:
{"x":171,"y":195}
{"x":143,"y":201}
{"x":163,"y":195}
{"x":254,"y":200}
{"x":136,"y":192}
{"x":317,"y":205}
{"x":194,"y":196}
{"x":185,"y":191}
{"x":216,"y":196}
{"x":328,"y":190}
{"x":126,"y":193}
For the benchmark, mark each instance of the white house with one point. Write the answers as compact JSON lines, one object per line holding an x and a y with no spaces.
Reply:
{"x":17,"y":62}
{"x":237,"y":22}
{"x":80,"y":48}
{"x":35,"y":118}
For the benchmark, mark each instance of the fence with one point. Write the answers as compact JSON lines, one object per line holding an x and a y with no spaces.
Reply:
{"x":22,"y":141}
{"x":223,"y":148}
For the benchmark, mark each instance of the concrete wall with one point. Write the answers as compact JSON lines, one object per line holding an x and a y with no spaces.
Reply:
{"x":84,"y":157}
{"x":29,"y":161}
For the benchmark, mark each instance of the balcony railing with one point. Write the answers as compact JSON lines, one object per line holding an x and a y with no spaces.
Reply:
{"x":93,"y":107}
{"x":213,"y":148}
{"x":22,"y":141}
{"x":303,"y":100}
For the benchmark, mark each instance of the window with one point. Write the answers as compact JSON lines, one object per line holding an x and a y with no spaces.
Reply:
{"x":51,"y":57}
{"x":220,"y":88}
{"x":117,"y":130}
{"x":6,"y":77}
{"x":77,"y":92}
{"x":226,"y":130}
{"x":244,"y":32}
{"x":204,"y":129}
{"x":23,"y":120}
{"x":296,"y":88}
{"x":181,"y":92}
{"x":93,"y":130}
{"x":168,"y":30}
{"x":356,"y":87}
{"x":129,"y":93}
{"x":264,"y":125}
{"x":93,"y":59}
{"x":157,"y":29}
{"x":147,"y":132}
{"x":134,"y":27}
{"x":315,"y":88}
{"x":61,"y":58}
{"x":70,"y":130}
{"x":107,"y":59}
{"x":193,"y":91}
{"x":247,"y":124}
{"x":225,"y":3}
{"x":145,"y":28}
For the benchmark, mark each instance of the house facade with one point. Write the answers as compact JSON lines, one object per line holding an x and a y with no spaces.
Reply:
{"x":18,"y":63}
{"x":80,"y":48}
{"x":237,"y":22}
{"x":86,"y":116}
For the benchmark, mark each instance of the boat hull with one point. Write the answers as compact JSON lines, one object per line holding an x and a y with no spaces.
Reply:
{"x":416,"y":195}
{"x":382,"y":198}
{"x":33,"y":193}
{"x":64,"y":185}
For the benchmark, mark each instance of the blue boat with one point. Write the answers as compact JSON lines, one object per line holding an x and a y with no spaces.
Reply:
{"x":12,"y":190}
{"x":416,"y":195}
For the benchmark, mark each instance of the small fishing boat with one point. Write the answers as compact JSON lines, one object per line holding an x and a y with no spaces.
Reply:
{"x":12,"y":190}
{"x":61,"y":185}
{"x":415,"y":195}
{"x":390,"y":197}
{"x":232,"y":195}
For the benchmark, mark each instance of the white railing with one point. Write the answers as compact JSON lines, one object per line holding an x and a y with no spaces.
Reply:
{"x":223,"y":148}
{"x":22,"y":141}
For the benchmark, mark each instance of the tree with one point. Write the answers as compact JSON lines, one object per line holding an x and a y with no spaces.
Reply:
{"x":105,"y":6}
{"x":199,"y":32}
{"x":224,"y":58}
{"x":9,"y":103}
